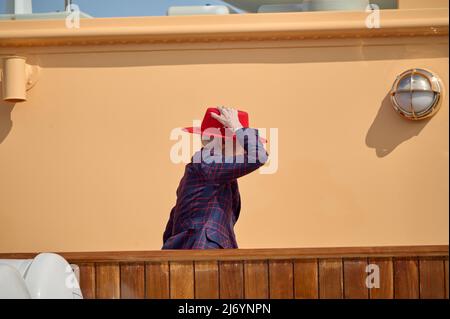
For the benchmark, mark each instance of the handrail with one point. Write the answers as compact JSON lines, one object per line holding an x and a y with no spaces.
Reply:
{"x":246,"y":254}
{"x":272,"y":26}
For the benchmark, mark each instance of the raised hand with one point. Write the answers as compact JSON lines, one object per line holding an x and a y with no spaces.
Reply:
{"x":228,"y":117}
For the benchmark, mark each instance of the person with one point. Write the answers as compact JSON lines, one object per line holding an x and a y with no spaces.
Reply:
{"x":208,"y":200}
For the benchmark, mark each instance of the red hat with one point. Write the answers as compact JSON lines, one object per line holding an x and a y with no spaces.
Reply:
{"x":210,"y":122}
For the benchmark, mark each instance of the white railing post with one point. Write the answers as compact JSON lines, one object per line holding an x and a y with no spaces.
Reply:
{"x":23,"y":6}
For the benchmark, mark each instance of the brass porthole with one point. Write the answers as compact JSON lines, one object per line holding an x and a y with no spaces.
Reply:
{"x":416,"y":94}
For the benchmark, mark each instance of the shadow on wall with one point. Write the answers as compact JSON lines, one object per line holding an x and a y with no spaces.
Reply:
{"x":174,"y":57}
{"x":389,"y":129}
{"x":5,"y":117}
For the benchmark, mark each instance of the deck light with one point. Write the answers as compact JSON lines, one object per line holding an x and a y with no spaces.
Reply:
{"x":416,"y":94}
{"x":17,"y":77}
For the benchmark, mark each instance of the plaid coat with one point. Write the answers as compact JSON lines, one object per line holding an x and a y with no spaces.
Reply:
{"x":208,"y":199}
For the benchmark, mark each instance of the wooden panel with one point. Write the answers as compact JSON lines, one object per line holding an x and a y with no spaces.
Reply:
{"x":446,"y":278}
{"x":306,"y":279}
{"x":355,"y":279}
{"x":181,"y":279}
{"x":406,"y":278}
{"x":157,"y":280}
{"x":432,"y":278}
{"x":108,"y":281}
{"x":256,"y":279}
{"x":386,"y":279}
{"x":330,"y":279}
{"x":231,"y":276}
{"x":399,"y":271}
{"x":87,"y":280}
{"x":132,"y":281}
{"x":206,"y":279}
{"x":281,"y":279}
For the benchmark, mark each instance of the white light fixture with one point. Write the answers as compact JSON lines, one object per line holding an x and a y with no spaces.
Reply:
{"x":416,"y":94}
{"x":17,"y":77}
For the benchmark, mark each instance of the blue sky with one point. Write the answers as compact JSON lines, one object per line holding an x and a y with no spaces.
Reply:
{"x":128,"y":8}
{"x":114,"y":8}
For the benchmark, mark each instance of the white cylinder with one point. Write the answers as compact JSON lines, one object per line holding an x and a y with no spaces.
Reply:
{"x":14,"y":79}
{"x":293,"y":7}
{"x":335,"y":5}
{"x":197,"y":10}
{"x":23,"y":6}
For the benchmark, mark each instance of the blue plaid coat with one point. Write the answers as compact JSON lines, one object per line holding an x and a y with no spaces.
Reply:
{"x":208,"y":200}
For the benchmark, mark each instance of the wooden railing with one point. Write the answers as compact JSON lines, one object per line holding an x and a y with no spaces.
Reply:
{"x":404,"y":272}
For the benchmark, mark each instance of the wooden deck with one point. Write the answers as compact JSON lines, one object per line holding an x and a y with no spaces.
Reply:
{"x":303,"y":273}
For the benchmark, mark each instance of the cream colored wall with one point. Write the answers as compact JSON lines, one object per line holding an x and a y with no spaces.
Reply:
{"x":84,"y":163}
{"x":417,"y":4}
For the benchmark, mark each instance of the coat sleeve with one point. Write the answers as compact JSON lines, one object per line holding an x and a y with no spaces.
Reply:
{"x":230,"y":168}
